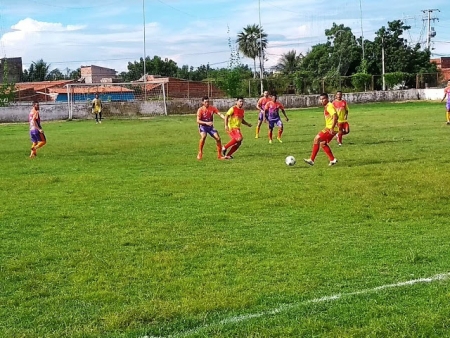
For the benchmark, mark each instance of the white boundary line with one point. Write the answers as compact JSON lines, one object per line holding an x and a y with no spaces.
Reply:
{"x":286,"y":307}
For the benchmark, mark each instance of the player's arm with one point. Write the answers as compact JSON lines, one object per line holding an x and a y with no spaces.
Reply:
{"x":346,"y":112}
{"x":258,"y":105}
{"x":227,"y":118}
{"x":445,"y":95}
{"x":246,"y":123}
{"x":216,"y":111}
{"x":284,"y":113}
{"x":36,"y":121}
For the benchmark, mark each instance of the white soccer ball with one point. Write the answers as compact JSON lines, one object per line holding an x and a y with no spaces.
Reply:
{"x":290,"y":160}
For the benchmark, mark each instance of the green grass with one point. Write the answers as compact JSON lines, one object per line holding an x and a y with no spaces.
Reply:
{"x":116,"y":230}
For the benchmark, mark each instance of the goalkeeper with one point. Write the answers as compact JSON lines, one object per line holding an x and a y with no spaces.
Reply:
{"x":97,"y":109}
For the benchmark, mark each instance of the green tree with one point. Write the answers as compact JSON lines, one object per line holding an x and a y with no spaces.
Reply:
{"x":54,"y":75}
{"x":6,"y":88}
{"x":289,"y":62}
{"x":252,"y":42}
{"x":38,"y":71}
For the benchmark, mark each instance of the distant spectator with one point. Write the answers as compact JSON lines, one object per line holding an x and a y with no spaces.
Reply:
{"x":97,"y":109}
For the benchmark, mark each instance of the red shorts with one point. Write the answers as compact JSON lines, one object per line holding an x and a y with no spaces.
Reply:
{"x":326,"y":136}
{"x":343,"y":125}
{"x":235,"y":134}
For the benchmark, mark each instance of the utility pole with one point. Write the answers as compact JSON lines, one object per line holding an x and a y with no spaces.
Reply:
{"x":145,"y":53}
{"x":261,"y":57}
{"x":382,"y":63}
{"x":431,"y":33}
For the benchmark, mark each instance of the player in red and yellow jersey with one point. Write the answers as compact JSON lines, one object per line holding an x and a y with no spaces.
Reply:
{"x":260,"y":105}
{"x":342,"y":111}
{"x":37,"y":135}
{"x":326,"y":135}
{"x":205,"y":115}
{"x":234,"y":118}
{"x":447,"y":106}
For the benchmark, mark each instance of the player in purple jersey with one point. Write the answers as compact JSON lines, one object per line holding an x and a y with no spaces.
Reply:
{"x":272,"y":112}
{"x":205,"y":116}
{"x":37,"y":136}
{"x":260,"y":105}
{"x":447,"y":106}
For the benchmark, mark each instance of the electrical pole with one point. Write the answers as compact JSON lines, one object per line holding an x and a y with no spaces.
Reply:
{"x":382,"y":63}
{"x":261,"y":57}
{"x":431,"y":33}
{"x":145,"y":52}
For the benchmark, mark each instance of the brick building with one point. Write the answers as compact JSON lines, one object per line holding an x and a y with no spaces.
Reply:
{"x":13,"y":68}
{"x":97,"y":74}
{"x":443,"y":64}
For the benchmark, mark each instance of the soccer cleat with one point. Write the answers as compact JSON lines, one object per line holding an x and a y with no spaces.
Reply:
{"x":224,"y":151}
{"x":340,"y":144}
{"x":279,"y":139}
{"x":448,"y":122}
{"x":270,"y":141}
{"x":100,"y":121}
{"x":333,"y":162}
{"x":256,"y":136}
{"x":309,"y":161}
{"x":199,"y":156}
{"x":228,"y":157}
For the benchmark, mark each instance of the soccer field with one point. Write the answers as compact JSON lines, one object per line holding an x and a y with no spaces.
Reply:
{"x":116,"y":230}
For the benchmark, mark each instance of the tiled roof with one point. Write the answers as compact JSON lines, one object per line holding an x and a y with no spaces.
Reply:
{"x":93,"y":90}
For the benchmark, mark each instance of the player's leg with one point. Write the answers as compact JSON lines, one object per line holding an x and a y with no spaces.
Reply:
{"x":280,"y":130}
{"x":201,"y":144}
{"x":100,"y":117}
{"x":216,"y":136}
{"x":270,"y":131}
{"x":42,"y":141}
{"x":237,"y":136}
{"x":96,"y":117}
{"x":258,"y":125}
{"x":33,"y":149}
{"x":314,"y":151}
{"x":447,"y":106}
{"x":325,"y":139}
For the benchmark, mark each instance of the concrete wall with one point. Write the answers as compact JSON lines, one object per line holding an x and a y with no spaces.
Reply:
{"x":60,"y":111}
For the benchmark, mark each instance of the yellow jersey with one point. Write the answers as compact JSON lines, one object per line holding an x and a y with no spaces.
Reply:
{"x":236,"y":116}
{"x":329,"y":112}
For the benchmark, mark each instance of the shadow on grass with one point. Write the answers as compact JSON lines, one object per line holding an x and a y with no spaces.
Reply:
{"x":386,"y":141}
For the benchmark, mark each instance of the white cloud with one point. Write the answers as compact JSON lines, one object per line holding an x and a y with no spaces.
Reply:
{"x":31,"y":25}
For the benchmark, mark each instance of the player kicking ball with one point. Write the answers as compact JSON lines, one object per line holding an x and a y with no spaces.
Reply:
{"x":234,"y":118}
{"x":326,"y":135}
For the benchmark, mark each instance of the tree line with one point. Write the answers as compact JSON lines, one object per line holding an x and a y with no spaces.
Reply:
{"x":343,"y":61}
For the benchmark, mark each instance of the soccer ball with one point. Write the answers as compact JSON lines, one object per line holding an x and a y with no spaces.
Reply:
{"x":290,"y":160}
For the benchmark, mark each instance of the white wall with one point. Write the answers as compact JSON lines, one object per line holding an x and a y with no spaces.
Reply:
{"x":60,"y":111}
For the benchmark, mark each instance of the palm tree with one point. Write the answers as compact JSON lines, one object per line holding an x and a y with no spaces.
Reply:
{"x":38,"y":70}
{"x":289,"y":62}
{"x":252,"y":42}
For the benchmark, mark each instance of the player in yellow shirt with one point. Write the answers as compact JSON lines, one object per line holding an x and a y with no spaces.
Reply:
{"x":325,"y":135}
{"x":97,"y":109}
{"x":342,"y":110}
{"x":234,"y":118}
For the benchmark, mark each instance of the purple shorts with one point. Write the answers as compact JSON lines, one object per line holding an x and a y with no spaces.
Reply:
{"x":261,"y":116}
{"x":273,"y":123}
{"x":36,"y":136}
{"x":207,"y":129}
{"x":448,"y":106}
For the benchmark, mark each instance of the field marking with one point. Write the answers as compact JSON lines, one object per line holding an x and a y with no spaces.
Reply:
{"x":286,"y":307}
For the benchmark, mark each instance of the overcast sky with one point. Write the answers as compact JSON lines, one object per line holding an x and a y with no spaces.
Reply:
{"x":110,"y":33}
